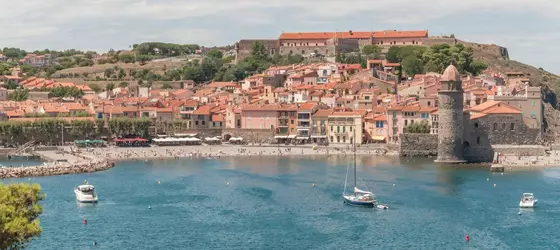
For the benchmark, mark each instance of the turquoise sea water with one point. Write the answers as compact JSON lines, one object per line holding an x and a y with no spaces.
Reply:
{"x":270,"y":203}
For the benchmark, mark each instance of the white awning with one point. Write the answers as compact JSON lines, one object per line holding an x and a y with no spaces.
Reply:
{"x":292,"y":136}
{"x":281,"y":137}
{"x":319,"y":136}
{"x":302,"y":137}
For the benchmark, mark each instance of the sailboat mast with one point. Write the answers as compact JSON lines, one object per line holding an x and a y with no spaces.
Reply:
{"x":355,"y":178}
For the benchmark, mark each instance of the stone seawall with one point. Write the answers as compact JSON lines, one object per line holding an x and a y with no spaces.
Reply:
{"x":418,"y":145}
{"x":54,"y":169}
{"x":477,"y":154}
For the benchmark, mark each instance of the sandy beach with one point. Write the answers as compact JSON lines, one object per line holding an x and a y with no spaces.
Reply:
{"x":216,"y":151}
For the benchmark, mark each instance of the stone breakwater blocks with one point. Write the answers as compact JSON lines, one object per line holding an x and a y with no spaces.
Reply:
{"x":48,"y":170}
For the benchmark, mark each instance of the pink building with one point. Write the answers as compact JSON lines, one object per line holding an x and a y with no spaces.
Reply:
{"x":376,"y":128}
{"x":399,"y":117}
{"x":267,"y":117}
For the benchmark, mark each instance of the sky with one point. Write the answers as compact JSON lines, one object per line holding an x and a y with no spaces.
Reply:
{"x":528,"y":28}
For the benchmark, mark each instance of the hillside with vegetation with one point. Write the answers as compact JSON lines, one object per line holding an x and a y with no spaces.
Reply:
{"x":549,"y":83}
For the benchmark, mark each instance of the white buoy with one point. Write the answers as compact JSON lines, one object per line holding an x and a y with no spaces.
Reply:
{"x":494,"y":184}
{"x":314,"y":184}
{"x":227,"y":183}
{"x":487,"y":179}
{"x":502,"y":173}
{"x":393,"y":184}
{"x":149,"y":207}
{"x":519,"y":213}
{"x":158,"y":182}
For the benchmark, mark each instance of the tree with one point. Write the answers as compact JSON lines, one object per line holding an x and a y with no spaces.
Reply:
{"x":393,"y":54}
{"x":216,"y":54}
{"x":123,"y":84}
{"x":412,"y":66}
{"x":126,"y":57}
{"x":11,"y":84}
{"x":110,"y":86}
{"x":477,"y":67}
{"x":371,"y":50}
{"x":259,"y":51}
{"x":19,"y":214}
{"x":95,"y":87}
{"x":108,"y":72}
{"x":18,"y":95}
{"x":419,"y":127}
{"x":166,"y":85}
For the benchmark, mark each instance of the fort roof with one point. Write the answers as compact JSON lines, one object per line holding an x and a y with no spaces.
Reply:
{"x":354,"y":35}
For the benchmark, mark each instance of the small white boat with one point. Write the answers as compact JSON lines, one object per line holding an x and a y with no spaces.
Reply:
{"x":85,"y":194}
{"x":528,"y":200}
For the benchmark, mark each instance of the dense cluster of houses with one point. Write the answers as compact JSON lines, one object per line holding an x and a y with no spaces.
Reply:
{"x":314,"y":103}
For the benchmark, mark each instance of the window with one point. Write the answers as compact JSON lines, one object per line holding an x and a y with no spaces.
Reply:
{"x":476,"y":124}
{"x":303,"y":52}
{"x":344,"y":139}
{"x":214,"y":124}
{"x":292,"y":129}
{"x":338,"y":139}
{"x":332,"y":138}
{"x":367,"y":97}
{"x":512,"y":127}
{"x":478,"y":140}
{"x":503,"y":126}
{"x":424,"y":115}
{"x":332,"y":129}
{"x":379,"y":124}
{"x":196,"y":123}
{"x":495,"y":126}
{"x":406,"y":122}
{"x":203,"y":123}
{"x":533,"y":114}
{"x":429,"y":103}
{"x":533,"y":103}
{"x":350,"y":129}
{"x":411,"y":122}
{"x":344,"y":129}
{"x":338,"y":129}
{"x":394,"y":113}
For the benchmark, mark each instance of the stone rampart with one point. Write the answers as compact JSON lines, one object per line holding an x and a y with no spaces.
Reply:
{"x":418,"y":145}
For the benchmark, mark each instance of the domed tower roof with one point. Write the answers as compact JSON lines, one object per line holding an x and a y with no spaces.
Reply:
{"x":451,"y":74}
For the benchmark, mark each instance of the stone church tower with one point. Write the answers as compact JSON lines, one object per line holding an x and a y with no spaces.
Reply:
{"x":450,"y":112}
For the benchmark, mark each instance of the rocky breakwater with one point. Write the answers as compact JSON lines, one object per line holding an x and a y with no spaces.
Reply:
{"x":55,"y":168}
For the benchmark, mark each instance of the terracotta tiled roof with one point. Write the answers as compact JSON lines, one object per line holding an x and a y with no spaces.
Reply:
{"x":484,"y":106}
{"x":218,"y":118}
{"x":354,"y":35}
{"x":323,"y":113}
{"x":204,"y":110}
{"x":307,"y":106}
{"x":346,"y":113}
{"x":269,"y":107}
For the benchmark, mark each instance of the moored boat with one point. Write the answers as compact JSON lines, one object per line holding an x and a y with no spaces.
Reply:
{"x":85,"y":193}
{"x":528,"y":200}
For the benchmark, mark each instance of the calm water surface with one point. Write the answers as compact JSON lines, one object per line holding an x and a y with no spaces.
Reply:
{"x":270,"y":203}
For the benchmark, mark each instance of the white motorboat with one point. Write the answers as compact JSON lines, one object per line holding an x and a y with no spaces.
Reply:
{"x":528,"y":200}
{"x":85,"y":194}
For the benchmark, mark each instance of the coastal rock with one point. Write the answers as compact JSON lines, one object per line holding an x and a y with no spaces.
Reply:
{"x":54,"y":169}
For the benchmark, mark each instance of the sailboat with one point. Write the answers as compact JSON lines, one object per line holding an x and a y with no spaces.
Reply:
{"x":358,"y":197}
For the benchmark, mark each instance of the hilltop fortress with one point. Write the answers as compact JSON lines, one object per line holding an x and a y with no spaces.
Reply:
{"x":329,"y":43}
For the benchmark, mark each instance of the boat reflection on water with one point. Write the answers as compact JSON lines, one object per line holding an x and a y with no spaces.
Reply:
{"x":85,"y":205}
